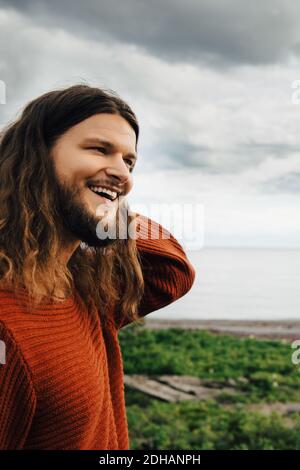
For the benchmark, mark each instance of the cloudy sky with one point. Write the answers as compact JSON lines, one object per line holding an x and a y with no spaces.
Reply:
{"x":212,"y":85}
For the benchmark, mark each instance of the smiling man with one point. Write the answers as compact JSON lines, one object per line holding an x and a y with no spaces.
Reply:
{"x":102,"y":145}
{"x":69,"y":278}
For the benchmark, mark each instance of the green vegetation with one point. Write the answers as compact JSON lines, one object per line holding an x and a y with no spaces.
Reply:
{"x":261,"y":372}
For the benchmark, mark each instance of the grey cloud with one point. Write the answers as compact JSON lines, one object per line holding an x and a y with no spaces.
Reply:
{"x":276,"y":149}
{"x":170,"y":153}
{"x":288,"y":183}
{"x":219,"y":33}
{"x":185,"y":154}
{"x":150,"y":27}
{"x":174,"y":152}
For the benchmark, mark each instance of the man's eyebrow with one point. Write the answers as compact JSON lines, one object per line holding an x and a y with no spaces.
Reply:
{"x":107,"y":144}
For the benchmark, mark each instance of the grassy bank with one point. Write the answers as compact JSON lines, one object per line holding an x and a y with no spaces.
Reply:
{"x":260,"y":371}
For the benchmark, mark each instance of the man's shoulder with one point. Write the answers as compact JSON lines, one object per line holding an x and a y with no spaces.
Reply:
{"x":10,"y":311}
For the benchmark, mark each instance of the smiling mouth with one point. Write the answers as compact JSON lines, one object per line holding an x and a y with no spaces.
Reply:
{"x":104,"y":197}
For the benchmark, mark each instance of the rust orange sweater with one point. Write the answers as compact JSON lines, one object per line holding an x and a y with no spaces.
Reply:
{"x":62,"y":383}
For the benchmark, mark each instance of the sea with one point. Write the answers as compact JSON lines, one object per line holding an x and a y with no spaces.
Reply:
{"x":240,"y":284}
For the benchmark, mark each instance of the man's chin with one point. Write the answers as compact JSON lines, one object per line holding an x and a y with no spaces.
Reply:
{"x":95,"y":228}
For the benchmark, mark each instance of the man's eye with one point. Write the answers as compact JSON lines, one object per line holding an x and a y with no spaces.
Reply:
{"x":103,"y":150}
{"x":100,"y":149}
{"x":130,"y":164}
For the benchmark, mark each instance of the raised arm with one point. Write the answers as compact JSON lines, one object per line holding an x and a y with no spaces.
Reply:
{"x":168,"y":274}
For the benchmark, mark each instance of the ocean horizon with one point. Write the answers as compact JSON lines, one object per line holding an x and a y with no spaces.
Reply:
{"x":240,"y":284}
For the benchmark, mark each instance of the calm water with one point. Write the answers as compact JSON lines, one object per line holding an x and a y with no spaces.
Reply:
{"x":241,"y":284}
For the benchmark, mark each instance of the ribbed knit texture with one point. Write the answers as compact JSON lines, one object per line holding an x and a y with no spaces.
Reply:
{"x":62,"y":386}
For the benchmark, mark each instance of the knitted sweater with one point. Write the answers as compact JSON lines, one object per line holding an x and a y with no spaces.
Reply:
{"x":62,"y":381}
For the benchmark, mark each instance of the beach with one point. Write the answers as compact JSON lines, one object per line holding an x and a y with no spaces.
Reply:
{"x":288,"y":329}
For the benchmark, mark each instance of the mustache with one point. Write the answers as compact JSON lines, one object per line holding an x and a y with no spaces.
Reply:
{"x":119,"y":188}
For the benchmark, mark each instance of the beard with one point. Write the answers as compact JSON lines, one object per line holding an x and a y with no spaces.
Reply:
{"x":77,"y":222}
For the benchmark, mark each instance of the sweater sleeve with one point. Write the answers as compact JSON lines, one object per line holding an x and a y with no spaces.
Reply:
{"x":168,"y":273}
{"x":17,"y":394}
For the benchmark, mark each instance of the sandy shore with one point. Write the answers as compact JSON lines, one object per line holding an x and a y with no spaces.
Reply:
{"x":289,"y":330}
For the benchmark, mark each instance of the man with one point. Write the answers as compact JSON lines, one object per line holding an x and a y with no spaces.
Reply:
{"x":66,"y":166}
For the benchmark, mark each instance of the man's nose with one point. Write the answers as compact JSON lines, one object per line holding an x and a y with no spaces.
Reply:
{"x":118,"y":171}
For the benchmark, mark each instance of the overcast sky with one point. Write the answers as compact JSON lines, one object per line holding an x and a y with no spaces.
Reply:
{"x":211,"y":84}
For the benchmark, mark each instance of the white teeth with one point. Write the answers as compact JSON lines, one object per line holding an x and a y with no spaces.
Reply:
{"x":100,"y":189}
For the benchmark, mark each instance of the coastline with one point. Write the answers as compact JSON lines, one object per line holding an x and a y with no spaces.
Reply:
{"x":265,"y":329}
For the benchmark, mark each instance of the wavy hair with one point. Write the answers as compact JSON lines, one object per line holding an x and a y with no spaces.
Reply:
{"x":30,"y":237}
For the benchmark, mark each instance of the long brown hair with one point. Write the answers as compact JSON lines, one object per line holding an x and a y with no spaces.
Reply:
{"x":29,"y":230}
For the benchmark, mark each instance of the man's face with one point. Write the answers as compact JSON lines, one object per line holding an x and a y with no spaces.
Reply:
{"x":80,"y":161}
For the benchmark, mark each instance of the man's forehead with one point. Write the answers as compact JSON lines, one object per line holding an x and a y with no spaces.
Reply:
{"x":117,"y":130}
{"x":109,"y":122}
